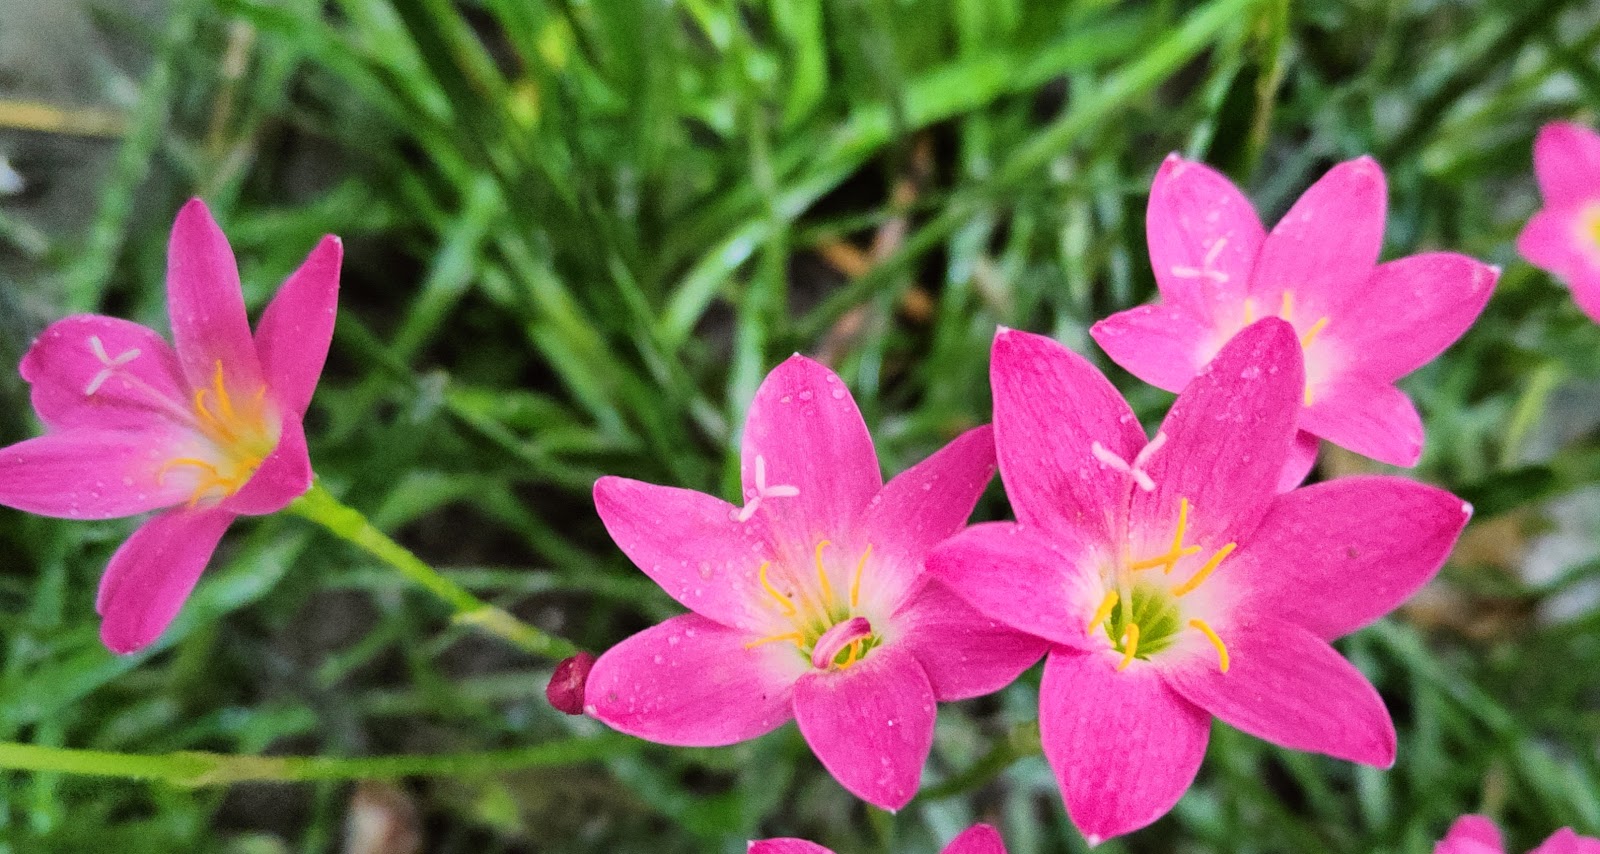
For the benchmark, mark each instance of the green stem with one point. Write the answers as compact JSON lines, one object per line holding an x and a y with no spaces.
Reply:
{"x":345,"y":522}
{"x":194,"y":768}
{"x":1020,"y":743}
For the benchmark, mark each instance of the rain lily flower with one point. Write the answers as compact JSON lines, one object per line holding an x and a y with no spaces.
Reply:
{"x":977,"y":839}
{"x":1564,"y":236}
{"x":1361,"y":324}
{"x":1474,"y":834}
{"x":809,"y":601}
{"x":209,"y":429}
{"x":1172,"y":579}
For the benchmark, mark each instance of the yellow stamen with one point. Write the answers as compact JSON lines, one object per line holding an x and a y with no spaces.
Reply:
{"x":1287,"y":313}
{"x":1222,"y":648}
{"x":796,"y":637}
{"x":224,"y":403}
{"x":1130,"y":645}
{"x":786,"y":602}
{"x":1308,"y":394}
{"x":1210,"y":567}
{"x":1102,"y":612}
{"x":855,"y":584}
{"x":822,"y":577}
{"x":1311,"y":334}
{"x":1249,"y":311}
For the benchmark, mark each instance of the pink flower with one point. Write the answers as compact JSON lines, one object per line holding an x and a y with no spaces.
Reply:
{"x":210,"y":428}
{"x":811,"y":605}
{"x":1474,"y":834}
{"x":977,"y":839}
{"x":1172,"y":579}
{"x":1564,"y":236}
{"x":1361,"y":324}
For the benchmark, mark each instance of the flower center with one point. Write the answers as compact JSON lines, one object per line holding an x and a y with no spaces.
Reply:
{"x":1286,"y":311}
{"x":1143,"y":614}
{"x":827,"y":629}
{"x":240,"y":435}
{"x":1592,"y":226}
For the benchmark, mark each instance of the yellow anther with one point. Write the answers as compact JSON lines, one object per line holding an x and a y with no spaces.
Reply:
{"x":1210,"y":567}
{"x":1311,"y":334}
{"x":1130,"y":645}
{"x":796,"y":637}
{"x":169,"y":465}
{"x":1102,"y":612}
{"x":224,"y":403}
{"x":822,"y":578}
{"x":1308,"y":394}
{"x":1222,"y":648}
{"x":855,"y":653}
{"x":786,"y":602}
{"x":1287,"y":312}
{"x":855,"y":584}
{"x":1168,"y":560}
{"x":1249,"y":311}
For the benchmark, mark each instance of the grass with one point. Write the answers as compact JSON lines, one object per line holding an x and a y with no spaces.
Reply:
{"x":579,"y":234}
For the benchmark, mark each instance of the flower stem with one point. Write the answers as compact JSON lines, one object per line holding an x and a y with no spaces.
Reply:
{"x":1021,"y":742}
{"x":348,"y":524}
{"x":195,"y":769}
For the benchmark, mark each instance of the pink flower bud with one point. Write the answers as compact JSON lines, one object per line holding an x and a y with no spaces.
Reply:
{"x":565,"y":690}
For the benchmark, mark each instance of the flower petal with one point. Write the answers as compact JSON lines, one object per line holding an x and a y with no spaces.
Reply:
{"x":152,"y":574}
{"x":693,"y":545}
{"x":977,"y":839}
{"x":1194,"y":208}
{"x":1051,"y":408}
{"x":1338,"y":555}
{"x":920,"y":508}
{"x":1287,"y":686}
{"x":92,"y":474}
{"x":1367,"y":416}
{"x":293,"y":335}
{"x":1160,"y":344}
{"x":804,"y":432}
{"x":1023,"y":579}
{"x":1328,"y":241}
{"x":1564,"y":841}
{"x":1302,"y":459}
{"x":206,"y":304}
{"x":1566,"y":160}
{"x":1551,"y":241}
{"x":103,"y":373}
{"x":787,"y":846}
{"x":871,"y":724}
{"x":1123,"y":746}
{"x":283,"y":476}
{"x":1471,"y":834}
{"x":1408,"y":311}
{"x":693,"y":683}
{"x":964,"y":653}
{"x":1228,"y":436}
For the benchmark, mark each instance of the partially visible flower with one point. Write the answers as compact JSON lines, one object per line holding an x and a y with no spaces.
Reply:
{"x":810,"y":601}
{"x":1362,"y":325}
{"x":565,"y":691}
{"x":1474,"y":834}
{"x":1563,"y":238}
{"x":1172,"y":579}
{"x":977,"y":839}
{"x":210,"y":429}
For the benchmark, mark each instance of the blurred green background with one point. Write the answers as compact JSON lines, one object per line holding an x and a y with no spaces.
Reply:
{"x":578,"y":235}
